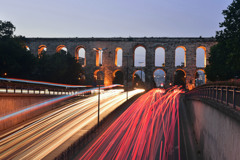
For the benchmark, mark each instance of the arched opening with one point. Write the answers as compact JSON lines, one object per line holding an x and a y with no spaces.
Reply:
{"x":99,"y":77}
{"x":160,"y":57}
{"x":99,"y":53}
{"x":140,"y":57}
{"x":201,"y":57}
{"x":180,"y":57}
{"x":138,"y":79}
{"x":117,"y":77}
{"x":82,"y":78}
{"x":200,"y":78}
{"x":62,"y":49}
{"x":180,"y":78}
{"x":159,"y":77}
{"x":27,"y":48}
{"x":42,"y":50}
{"x":118,"y":57}
{"x":80,"y":55}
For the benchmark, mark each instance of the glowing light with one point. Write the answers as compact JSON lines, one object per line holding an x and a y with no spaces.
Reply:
{"x":44,"y":83}
{"x":149,"y":124}
{"x":47,"y":132}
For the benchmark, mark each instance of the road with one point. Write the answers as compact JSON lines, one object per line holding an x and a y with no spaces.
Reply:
{"x":38,"y":138}
{"x":148,"y":129}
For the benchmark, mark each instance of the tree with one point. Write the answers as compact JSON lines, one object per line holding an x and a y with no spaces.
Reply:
{"x":225,"y":56}
{"x":179,"y":78}
{"x":6,"y":29}
{"x":118,"y":79}
{"x":15,"y":60}
{"x":59,"y":68}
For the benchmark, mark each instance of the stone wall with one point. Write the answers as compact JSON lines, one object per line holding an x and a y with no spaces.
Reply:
{"x":216,"y":128}
{"x":11,"y":104}
{"x":128,"y":46}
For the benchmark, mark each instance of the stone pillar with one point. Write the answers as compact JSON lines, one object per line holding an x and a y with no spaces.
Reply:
{"x":148,"y":70}
{"x":128,"y":50}
{"x":190,"y":65}
{"x":108,"y":66}
{"x":169,"y":64}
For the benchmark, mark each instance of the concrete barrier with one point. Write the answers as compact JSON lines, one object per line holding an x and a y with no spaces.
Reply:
{"x":13,"y":103}
{"x":217,"y":129}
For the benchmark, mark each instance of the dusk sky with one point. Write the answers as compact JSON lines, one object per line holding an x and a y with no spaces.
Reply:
{"x":114,"y":18}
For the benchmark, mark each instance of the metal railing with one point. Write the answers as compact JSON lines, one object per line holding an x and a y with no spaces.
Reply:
{"x":229,"y":95}
{"x":25,"y":88}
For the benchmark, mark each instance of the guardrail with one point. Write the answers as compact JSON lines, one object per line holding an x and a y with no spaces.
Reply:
{"x":229,"y":95}
{"x":20,"y":86}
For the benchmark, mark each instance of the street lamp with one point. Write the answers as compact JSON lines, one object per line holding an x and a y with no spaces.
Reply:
{"x":127,"y":72}
{"x":100,"y":64}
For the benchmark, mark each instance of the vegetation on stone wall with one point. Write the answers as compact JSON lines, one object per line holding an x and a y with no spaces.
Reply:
{"x":224,"y":61}
{"x":17,"y":62}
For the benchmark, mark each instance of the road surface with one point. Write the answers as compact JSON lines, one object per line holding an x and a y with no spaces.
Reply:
{"x":38,"y":138}
{"x":148,"y":129}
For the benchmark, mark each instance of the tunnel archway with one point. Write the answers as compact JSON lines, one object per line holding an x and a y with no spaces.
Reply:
{"x":118,"y":57}
{"x":180,"y":78}
{"x":99,"y":57}
{"x":140,"y":56}
{"x":27,"y":48}
{"x":201,"y":57}
{"x":200,"y":78}
{"x":160,"y":57}
{"x":159,"y":76}
{"x":42,"y":50}
{"x":139,"y":79}
{"x":118,"y":77}
{"x":62,"y":49}
{"x":180,"y":56}
{"x":80,"y":55}
{"x":98,"y":77}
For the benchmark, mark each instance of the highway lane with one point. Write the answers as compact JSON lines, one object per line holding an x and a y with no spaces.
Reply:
{"x":37,"y":139}
{"x":148,"y":129}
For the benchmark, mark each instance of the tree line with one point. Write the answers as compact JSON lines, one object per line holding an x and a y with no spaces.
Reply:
{"x":224,"y":60}
{"x":18,"y":62}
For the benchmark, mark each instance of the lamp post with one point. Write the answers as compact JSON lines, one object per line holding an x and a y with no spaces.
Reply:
{"x":100,"y":64}
{"x":127,"y":73}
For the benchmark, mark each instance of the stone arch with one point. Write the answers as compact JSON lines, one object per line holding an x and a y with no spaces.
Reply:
{"x":27,"y":48}
{"x":118,"y":56}
{"x":200,"y":77}
{"x":160,"y":57}
{"x":139,"y":57}
{"x":118,"y":77}
{"x":201,"y":58}
{"x":180,"y":78}
{"x":61,"y":49}
{"x":80,"y":55}
{"x":82,"y":78}
{"x":99,"y":76}
{"x":159,"y":76}
{"x":99,"y":57}
{"x":180,"y":56}
{"x":138,"y":78}
{"x":42,"y":49}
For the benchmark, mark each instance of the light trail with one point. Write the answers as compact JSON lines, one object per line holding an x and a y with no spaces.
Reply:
{"x":29,"y":109}
{"x":148,"y":129}
{"x":44,"y":83}
{"x":35,"y":140}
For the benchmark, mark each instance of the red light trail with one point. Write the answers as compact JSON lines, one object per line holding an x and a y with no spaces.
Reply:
{"x":148,"y":129}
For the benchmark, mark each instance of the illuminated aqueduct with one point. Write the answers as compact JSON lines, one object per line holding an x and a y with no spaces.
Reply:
{"x":164,"y":49}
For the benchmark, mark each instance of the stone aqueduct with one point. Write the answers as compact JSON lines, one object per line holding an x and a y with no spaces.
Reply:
{"x":128,"y":46}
